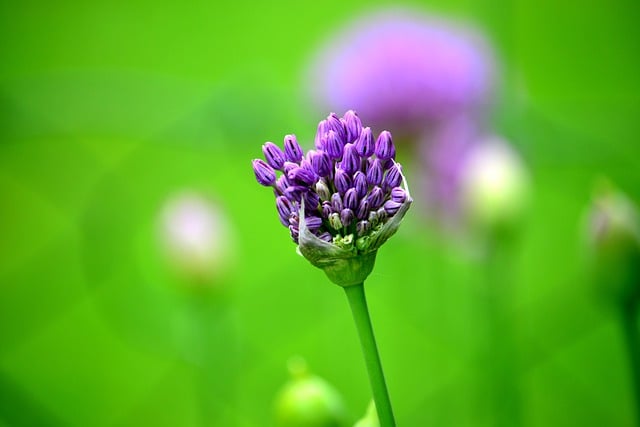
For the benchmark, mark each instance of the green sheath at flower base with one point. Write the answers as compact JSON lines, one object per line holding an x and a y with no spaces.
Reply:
{"x":346,"y":264}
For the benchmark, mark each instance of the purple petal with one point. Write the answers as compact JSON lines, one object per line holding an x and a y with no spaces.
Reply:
{"x":360,"y":184}
{"x":342,"y":181}
{"x":375,"y":172}
{"x":346,"y":217}
{"x":353,"y":125}
{"x":350,"y":159}
{"x":351,"y":199}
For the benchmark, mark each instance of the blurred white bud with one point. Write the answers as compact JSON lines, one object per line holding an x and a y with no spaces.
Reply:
{"x":196,"y":236}
{"x":495,"y":185}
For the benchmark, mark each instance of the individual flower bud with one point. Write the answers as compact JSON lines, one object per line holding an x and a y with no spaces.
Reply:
{"x":289,"y":166}
{"x":391,"y":207}
{"x":375,"y":197}
{"x":346,"y":217}
{"x":353,"y":125}
{"x":285,"y":208}
{"x":336,"y":202}
{"x":342,"y":181}
{"x":274,"y":155}
{"x":295,"y":192}
{"x":363,"y":209}
{"x":375,"y":172}
{"x":360,"y":184}
{"x":362,"y":228}
{"x":308,"y":400}
{"x":334,"y":221}
{"x":326,"y":209}
{"x":313,"y":223}
{"x":398,"y":195}
{"x":326,"y":236}
{"x":333,"y":145}
{"x":292,"y":150}
{"x":301,"y":176}
{"x":494,"y":185}
{"x":323,"y":190}
{"x":364,"y":144}
{"x":335,"y":124}
{"x":312,"y":201}
{"x":281,"y":185}
{"x":393,"y":178}
{"x":350,"y":159}
{"x":320,"y":134}
{"x":351,"y":199}
{"x":384,"y":148}
{"x":265,"y":175}
{"x":196,"y":237}
{"x":321,"y":163}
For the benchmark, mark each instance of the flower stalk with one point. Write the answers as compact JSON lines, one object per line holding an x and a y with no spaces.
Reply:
{"x":358,"y":302}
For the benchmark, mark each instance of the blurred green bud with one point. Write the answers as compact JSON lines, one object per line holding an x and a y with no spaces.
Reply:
{"x":308,"y":400}
{"x":613,"y":232}
{"x":495,"y":186}
{"x":613,"y":223}
{"x":370,"y":419}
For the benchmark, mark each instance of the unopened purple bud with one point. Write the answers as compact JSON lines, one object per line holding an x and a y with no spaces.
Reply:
{"x":375,"y":172}
{"x":295,"y":232}
{"x":342,"y":181}
{"x":289,"y":166}
{"x":265,"y":175}
{"x":295,"y":192}
{"x":353,"y":125}
{"x":326,"y":236}
{"x":326,"y":210}
{"x":346,"y":216}
{"x":285,"y":208}
{"x":384,"y":146}
{"x":281,"y":184}
{"x":360,"y":184}
{"x":311,"y":201}
{"x":365,"y":144}
{"x":391,"y":207}
{"x":336,"y":202}
{"x":320,"y":134}
{"x":363,"y":227}
{"x":292,"y":150}
{"x":333,"y":145}
{"x":294,"y":219}
{"x":375,"y":197}
{"x":351,"y":199}
{"x":320,"y":162}
{"x":273,"y":154}
{"x":398,"y":195}
{"x":350,"y":159}
{"x":393,"y":178}
{"x":363,"y":209}
{"x":313,"y":222}
{"x":301,"y":176}
{"x":334,"y":123}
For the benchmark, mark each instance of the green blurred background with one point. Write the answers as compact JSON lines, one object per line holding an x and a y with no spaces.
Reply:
{"x":108,"y":109}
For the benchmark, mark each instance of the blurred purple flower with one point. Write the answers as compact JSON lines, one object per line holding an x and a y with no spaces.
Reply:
{"x":403,"y":70}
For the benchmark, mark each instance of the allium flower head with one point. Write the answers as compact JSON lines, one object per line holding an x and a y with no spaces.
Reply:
{"x":403,"y":69}
{"x":341,"y":201}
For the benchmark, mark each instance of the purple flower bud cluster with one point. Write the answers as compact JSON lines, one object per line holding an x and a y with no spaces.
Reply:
{"x":350,"y":183}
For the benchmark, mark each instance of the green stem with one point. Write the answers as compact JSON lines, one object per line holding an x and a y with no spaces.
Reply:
{"x":358,"y":303}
